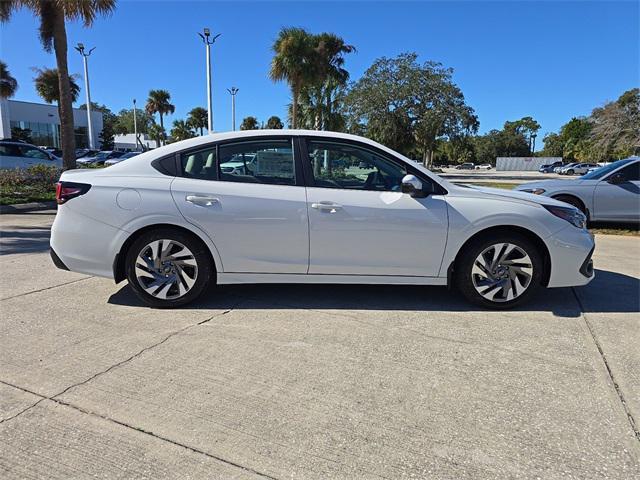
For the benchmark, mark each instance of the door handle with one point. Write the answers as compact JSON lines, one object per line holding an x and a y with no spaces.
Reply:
{"x":202,"y":200}
{"x":327,"y":206}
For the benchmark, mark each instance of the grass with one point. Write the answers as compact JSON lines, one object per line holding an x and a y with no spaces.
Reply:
{"x":35,"y":184}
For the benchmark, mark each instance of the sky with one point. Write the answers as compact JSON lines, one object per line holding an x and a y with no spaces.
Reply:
{"x":548,"y":59}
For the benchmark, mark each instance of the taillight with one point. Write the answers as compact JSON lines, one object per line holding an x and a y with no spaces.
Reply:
{"x":67,"y":190}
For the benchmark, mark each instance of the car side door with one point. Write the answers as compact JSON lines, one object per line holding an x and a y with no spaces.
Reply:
{"x":11,"y":157}
{"x":256,"y":216}
{"x":617,"y":197}
{"x":34,"y":156}
{"x":360,"y":222}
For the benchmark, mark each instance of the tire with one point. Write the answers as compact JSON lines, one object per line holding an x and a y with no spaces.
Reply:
{"x":167,"y":268}
{"x":571,"y":200}
{"x":522,"y":272}
{"x":570,"y":172}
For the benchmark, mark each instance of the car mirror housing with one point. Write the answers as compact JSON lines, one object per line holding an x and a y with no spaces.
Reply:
{"x":411,"y":185}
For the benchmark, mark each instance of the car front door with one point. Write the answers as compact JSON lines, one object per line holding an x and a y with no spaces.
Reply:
{"x":256,"y":216}
{"x":618,"y":200}
{"x":360,"y":223}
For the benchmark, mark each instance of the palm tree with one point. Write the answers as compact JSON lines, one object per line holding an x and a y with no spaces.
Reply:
{"x":157,"y":133}
{"x":294,"y":62}
{"x":198,"y":118}
{"x":181,"y":131}
{"x":249,"y":123}
{"x":158,"y":102}
{"x":53,"y":35}
{"x":274,"y":123}
{"x":48,"y":87}
{"x":8,"y":84}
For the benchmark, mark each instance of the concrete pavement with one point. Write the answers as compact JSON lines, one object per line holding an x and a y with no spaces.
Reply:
{"x":316,"y":381}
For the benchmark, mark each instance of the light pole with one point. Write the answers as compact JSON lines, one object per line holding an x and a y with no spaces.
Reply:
{"x":85,"y":57}
{"x":208,"y":42}
{"x":135,"y":123}
{"x":233,"y":91}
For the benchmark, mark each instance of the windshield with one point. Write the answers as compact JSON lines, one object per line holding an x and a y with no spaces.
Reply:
{"x":102,"y":154}
{"x":602,"y":171}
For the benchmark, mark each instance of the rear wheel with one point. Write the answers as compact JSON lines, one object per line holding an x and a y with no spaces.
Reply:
{"x":167,"y":268}
{"x":499,"y":271}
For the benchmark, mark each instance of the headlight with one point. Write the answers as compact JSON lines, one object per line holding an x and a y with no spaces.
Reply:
{"x":572,"y":215}
{"x":535,"y":191}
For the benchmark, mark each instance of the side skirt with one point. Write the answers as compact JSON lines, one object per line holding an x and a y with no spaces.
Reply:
{"x":230,"y":278}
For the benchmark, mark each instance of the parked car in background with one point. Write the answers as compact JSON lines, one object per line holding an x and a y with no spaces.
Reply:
{"x":18,"y":154}
{"x":99,"y":157}
{"x":85,"y":152}
{"x":485,"y":166}
{"x":561,"y":168}
{"x":466,"y":166}
{"x":55,"y":151}
{"x":172,"y":221}
{"x":608,"y":194}
{"x":121,"y":158}
{"x":550,"y":167}
{"x":578,"y":169}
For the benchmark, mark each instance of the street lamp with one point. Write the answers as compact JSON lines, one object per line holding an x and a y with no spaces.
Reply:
{"x":85,"y":57}
{"x":233,"y":91}
{"x":208,"y":42}
{"x":135,"y":123}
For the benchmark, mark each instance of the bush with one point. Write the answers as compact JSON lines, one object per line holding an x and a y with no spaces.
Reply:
{"x":34,"y":184}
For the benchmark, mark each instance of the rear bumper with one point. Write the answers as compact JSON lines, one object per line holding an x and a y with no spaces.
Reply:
{"x":571,"y":250}
{"x":56,"y":260}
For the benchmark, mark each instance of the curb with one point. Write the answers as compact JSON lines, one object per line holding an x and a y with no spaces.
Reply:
{"x":27,"y":207}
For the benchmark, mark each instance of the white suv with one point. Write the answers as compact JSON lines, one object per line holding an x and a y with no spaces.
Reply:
{"x":308,"y":207}
{"x":18,"y":154}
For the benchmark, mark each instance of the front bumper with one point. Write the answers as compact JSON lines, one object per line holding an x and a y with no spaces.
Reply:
{"x":571,"y":250}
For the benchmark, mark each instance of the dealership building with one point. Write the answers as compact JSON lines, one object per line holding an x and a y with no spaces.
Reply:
{"x":43,"y":122}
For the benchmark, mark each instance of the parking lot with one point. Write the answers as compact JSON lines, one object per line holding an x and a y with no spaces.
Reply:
{"x":313,"y":381}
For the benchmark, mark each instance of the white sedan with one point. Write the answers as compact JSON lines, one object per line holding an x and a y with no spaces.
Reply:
{"x":607,"y":194}
{"x":315,"y":207}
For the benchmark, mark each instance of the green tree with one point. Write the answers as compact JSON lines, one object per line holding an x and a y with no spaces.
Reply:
{"x":198,"y":119}
{"x":53,"y":35}
{"x":274,"y":123}
{"x":553,"y":145}
{"x":124,"y":121}
{"x":508,"y":142}
{"x":249,"y":123}
{"x":157,"y":133}
{"x":616,"y":127}
{"x":181,"y":131}
{"x":109,"y":119}
{"x":48,"y":88}
{"x":408,"y":106}
{"x":294,"y":61}
{"x":23,"y":134}
{"x":159,"y":102}
{"x":8,"y":84}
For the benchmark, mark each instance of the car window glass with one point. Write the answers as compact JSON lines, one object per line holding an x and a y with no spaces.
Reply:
{"x":269,"y":162}
{"x":200,"y":164}
{"x":9,"y":151}
{"x":336,"y":165}
{"x":631,"y":173}
{"x":31,"y":152}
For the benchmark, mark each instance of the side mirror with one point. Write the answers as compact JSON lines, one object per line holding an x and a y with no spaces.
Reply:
{"x":412,"y":186}
{"x":616,"y":179}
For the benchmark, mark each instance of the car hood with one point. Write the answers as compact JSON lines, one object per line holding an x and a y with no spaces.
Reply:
{"x":511,"y":195}
{"x":552,"y":184}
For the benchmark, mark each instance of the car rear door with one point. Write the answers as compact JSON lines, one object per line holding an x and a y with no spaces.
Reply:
{"x":257,"y":218}
{"x":619,"y":201}
{"x":360,"y":223}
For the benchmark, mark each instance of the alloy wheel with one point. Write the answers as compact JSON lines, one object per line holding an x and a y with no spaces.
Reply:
{"x":166,"y":269}
{"x":502,"y":272}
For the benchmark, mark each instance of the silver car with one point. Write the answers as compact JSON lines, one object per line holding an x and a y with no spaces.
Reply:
{"x":608,"y":194}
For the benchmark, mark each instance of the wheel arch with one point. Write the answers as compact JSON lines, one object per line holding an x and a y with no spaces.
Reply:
{"x":506,"y":229}
{"x":119,"y":260}
{"x":585,"y":208}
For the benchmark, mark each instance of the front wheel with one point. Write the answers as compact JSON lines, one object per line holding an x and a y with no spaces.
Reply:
{"x":167,"y":267}
{"x":500,"y":271}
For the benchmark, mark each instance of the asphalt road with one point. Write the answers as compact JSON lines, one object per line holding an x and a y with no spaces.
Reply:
{"x":314,"y":381}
